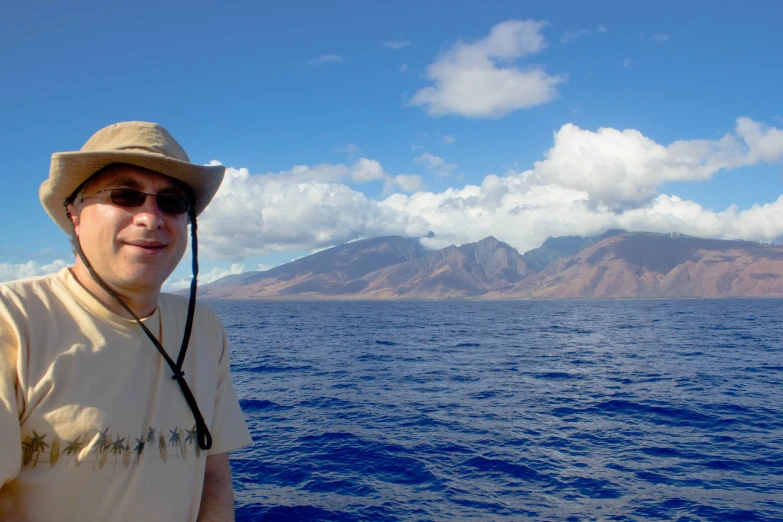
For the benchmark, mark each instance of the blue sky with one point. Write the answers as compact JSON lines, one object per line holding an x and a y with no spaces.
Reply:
{"x":344,"y":120}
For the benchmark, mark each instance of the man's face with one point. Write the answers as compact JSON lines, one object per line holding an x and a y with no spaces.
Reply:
{"x":134,"y":249}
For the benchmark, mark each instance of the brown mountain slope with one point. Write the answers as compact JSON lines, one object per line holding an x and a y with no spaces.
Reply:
{"x":383,"y":269}
{"x":453,"y":272}
{"x":648,"y":265}
{"x":324,"y":272}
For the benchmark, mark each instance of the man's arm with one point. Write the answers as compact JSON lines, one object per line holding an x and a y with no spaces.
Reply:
{"x":217,"y":496}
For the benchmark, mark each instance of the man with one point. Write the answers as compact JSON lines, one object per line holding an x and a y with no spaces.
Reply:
{"x":100,"y":417}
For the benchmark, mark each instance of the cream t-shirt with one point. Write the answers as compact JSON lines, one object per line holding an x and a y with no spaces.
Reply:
{"x":92,"y":426}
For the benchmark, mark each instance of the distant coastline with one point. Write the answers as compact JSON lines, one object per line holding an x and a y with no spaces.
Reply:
{"x":613,"y":265}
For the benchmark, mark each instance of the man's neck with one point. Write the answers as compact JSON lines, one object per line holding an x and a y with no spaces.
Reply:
{"x":143,"y":304}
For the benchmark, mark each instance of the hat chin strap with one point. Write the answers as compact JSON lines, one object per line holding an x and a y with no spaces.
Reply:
{"x":202,"y":432}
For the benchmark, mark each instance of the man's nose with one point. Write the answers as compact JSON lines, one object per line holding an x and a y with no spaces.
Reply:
{"x":149,"y":213}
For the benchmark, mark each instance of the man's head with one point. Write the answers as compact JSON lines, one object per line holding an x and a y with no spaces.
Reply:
{"x":128,"y":239}
{"x":132,"y":240}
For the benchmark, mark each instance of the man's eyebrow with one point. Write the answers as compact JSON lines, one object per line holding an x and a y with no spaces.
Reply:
{"x":133,"y":184}
{"x":125,"y":182}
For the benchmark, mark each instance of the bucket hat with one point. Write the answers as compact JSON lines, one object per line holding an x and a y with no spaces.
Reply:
{"x":137,"y":143}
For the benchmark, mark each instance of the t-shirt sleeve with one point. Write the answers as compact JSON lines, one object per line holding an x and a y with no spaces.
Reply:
{"x":228,"y":427}
{"x":10,"y":431}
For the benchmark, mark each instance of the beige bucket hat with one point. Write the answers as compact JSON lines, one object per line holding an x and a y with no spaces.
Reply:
{"x":138,"y":143}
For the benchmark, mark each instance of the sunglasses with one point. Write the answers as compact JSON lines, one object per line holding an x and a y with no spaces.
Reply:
{"x":132,"y":198}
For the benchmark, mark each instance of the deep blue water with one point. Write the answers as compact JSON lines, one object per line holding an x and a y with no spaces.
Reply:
{"x":543,"y":410}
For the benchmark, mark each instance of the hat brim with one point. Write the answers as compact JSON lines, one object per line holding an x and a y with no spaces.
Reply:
{"x":70,"y":169}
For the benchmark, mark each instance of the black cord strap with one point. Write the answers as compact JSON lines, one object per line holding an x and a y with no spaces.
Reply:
{"x":202,"y":431}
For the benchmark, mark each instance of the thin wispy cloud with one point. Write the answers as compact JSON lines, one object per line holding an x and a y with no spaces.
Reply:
{"x":479,"y":79}
{"x":350,"y":150}
{"x":435,"y":164}
{"x":662,"y":37}
{"x":448,"y":139}
{"x":571,"y":35}
{"x":403,"y":67}
{"x":397,"y":44}
{"x":326,"y":58}
{"x":626,"y":63}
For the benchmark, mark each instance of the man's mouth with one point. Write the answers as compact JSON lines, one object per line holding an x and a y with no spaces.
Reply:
{"x":148,"y":246}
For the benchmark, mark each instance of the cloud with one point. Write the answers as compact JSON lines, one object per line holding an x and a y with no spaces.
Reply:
{"x":403,"y":67}
{"x":396,"y":44}
{"x":478,"y":80}
{"x":409,"y":182}
{"x":362,"y":170}
{"x":661,"y":37}
{"x":326,"y":58}
{"x":262,"y":214}
{"x":350,"y":150}
{"x":571,"y":35}
{"x":626,"y":63}
{"x":625,"y":167}
{"x":11,"y":272}
{"x":366,"y":170}
{"x":588,"y":181}
{"x":436,"y":164}
{"x":448,"y":139}
{"x":204,"y":278}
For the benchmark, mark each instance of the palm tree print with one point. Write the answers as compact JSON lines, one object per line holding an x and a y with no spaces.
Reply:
{"x":193,"y":439}
{"x":103,"y":444}
{"x":151,"y":436}
{"x":101,"y":447}
{"x":74,"y":447}
{"x":38,"y":445}
{"x":117,"y":447}
{"x":139,"y":449}
{"x":27,"y":450}
{"x":175,"y":440}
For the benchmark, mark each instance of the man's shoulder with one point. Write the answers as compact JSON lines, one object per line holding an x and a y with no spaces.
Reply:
{"x":30,"y":286}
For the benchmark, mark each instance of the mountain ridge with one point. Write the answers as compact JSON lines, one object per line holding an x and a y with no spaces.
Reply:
{"x":615,"y":264}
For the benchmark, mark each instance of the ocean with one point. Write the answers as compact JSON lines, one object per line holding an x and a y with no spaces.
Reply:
{"x":518,"y":410}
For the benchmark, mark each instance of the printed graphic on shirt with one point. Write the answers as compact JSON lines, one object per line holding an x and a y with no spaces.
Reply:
{"x":110,"y":449}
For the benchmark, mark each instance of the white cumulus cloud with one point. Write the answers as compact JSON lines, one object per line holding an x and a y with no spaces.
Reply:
{"x":409,"y":182}
{"x":625,"y":167}
{"x":588,"y":181}
{"x":479,"y":79}
{"x":11,"y":272}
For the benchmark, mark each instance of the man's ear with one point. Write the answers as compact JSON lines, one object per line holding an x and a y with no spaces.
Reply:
{"x":73,"y":215}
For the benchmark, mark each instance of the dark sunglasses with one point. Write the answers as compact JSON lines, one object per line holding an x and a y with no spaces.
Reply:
{"x":132,"y":198}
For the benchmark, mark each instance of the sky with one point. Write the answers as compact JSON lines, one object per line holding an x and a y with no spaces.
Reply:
{"x":338,"y":121}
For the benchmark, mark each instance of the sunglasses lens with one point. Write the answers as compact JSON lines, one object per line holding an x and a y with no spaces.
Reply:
{"x":172,"y":204}
{"x":128,"y":198}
